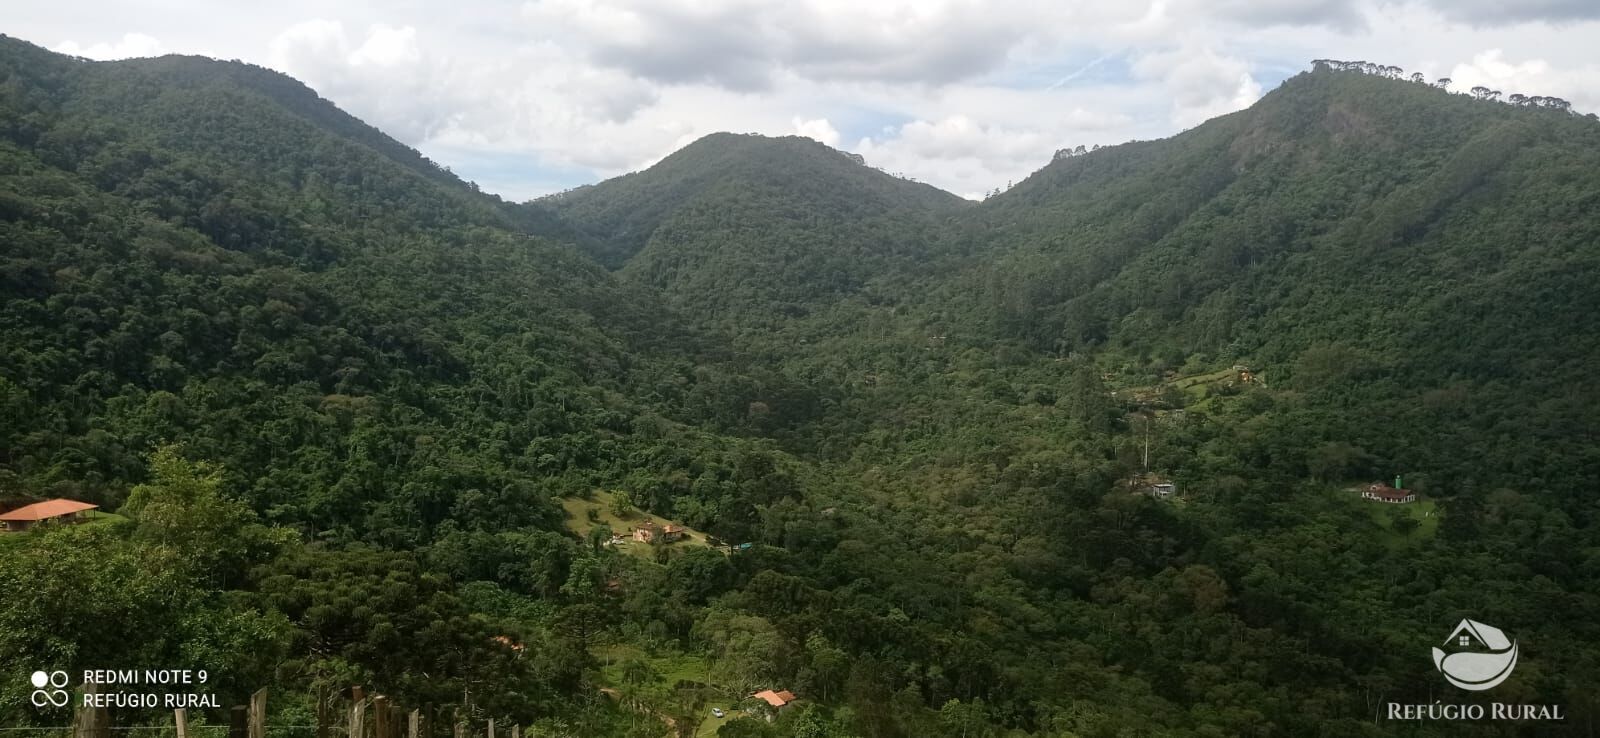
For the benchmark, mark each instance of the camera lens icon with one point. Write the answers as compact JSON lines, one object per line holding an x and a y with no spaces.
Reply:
{"x":48,"y":689}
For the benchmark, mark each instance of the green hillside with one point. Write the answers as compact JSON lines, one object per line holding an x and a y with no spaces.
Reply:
{"x":328,"y":362}
{"x":364,"y":423}
{"x":748,"y":232}
{"x":1394,"y":252}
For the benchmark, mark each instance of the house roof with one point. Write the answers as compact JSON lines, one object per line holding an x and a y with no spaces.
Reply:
{"x":1384,"y":490}
{"x":776,"y":699}
{"x":47,"y":509}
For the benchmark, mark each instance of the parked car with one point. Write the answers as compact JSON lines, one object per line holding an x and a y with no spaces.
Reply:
{"x":716,"y":712}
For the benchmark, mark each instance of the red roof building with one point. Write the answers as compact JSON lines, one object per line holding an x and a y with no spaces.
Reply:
{"x":1381,"y":492}
{"x":649,"y":531}
{"x":776,"y":699}
{"x":26,"y":517}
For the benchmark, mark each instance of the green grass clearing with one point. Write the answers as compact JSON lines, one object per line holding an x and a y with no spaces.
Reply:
{"x":1424,"y":511}
{"x":1199,"y":380}
{"x":578,"y":522}
{"x":669,"y":669}
{"x":708,"y":729}
{"x":1384,"y":515}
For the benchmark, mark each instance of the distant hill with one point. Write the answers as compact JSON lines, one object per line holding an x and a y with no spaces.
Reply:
{"x":740,"y":228}
{"x":1368,"y":238}
{"x":214,"y":240}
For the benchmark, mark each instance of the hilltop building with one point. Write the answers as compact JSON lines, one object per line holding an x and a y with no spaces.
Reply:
{"x":1380,"y":492}
{"x":650,"y":531}
{"x":1153,"y":486}
{"x":49,"y":511}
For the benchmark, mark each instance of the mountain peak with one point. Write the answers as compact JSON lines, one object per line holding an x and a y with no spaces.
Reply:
{"x":625,"y":211}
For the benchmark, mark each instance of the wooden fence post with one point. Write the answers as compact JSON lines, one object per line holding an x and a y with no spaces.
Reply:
{"x":380,"y":717}
{"x":90,"y":722}
{"x":491,"y":727}
{"x":358,"y":707}
{"x":324,"y":698}
{"x":258,"y":714}
{"x":399,"y":722}
{"x":239,"y":722}
{"x":414,"y":725}
{"x":180,"y":722}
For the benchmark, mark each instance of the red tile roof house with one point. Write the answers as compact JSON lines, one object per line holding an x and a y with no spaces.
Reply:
{"x":648,"y":531}
{"x":64,"y":511}
{"x":778,"y":700}
{"x":1384,"y":493}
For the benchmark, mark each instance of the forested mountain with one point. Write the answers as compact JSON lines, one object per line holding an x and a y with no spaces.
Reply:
{"x":204,"y":256}
{"x":364,"y":424}
{"x":743,"y":230}
{"x":1384,"y":247}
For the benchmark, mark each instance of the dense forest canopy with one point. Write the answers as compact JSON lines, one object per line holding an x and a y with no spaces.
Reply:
{"x":350,"y":421}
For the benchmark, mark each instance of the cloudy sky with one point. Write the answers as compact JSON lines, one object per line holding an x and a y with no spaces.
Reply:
{"x":528,"y":97}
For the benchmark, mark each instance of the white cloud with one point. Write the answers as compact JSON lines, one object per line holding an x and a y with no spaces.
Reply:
{"x":387,"y":47}
{"x":1202,"y":82}
{"x":382,"y":75}
{"x":1580,"y":86}
{"x":131,"y":45}
{"x":313,"y":39}
{"x":818,"y":130}
{"x":1499,"y":12}
{"x":962,"y":94}
{"x":1342,"y":14}
{"x":958,"y":154}
{"x":745,"y":45}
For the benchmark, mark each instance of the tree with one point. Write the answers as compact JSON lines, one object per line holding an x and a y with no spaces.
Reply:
{"x":599,"y":535}
{"x":747,"y":652}
{"x":701,"y":573}
{"x":182,"y":508}
{"x":965,"y":719}
{"x":94,"y":597}
{"x":1336,"y":460}
{"x":637,"y":672}
{"x":622,"y":504}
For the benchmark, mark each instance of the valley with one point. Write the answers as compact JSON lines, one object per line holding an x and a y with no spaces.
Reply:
{"x":361,"y":423}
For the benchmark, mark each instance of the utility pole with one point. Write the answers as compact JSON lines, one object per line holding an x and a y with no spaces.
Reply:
{"x":1147,"y":421}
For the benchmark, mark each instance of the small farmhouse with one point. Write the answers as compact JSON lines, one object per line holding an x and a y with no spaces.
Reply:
{"x":650,"y":531}
{"x":776,"y":700}
{"x":58,"y":511}
{"x":1380,"y":492}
